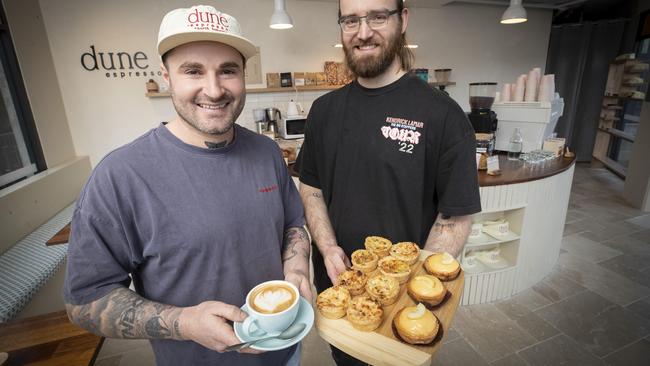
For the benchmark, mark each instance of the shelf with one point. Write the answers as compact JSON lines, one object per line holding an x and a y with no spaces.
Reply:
{"x":501,"y":209}
{"x":447,"y":83}
{"x":287,"y":89}
{"x":485,"y":240}
{"x":618,"y":133}
{"x":622,"y":97}
{"x":490,"y":271}
{"x":157,"y":94}
{"x":262,"y":90}
{"x":614,"y":166}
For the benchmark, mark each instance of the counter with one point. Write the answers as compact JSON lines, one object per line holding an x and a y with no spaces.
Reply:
{"x":533,"y":198}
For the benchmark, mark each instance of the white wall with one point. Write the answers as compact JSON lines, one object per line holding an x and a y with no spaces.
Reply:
{"x":26,"y":205}
{"x":105,"y":112}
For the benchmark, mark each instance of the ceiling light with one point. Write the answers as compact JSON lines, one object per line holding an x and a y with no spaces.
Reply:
{"x":280,"y":18}
{"x":338,"y":45}
{"x":514,"y":14}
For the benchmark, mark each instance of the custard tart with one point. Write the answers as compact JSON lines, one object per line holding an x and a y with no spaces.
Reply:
{"x":333,"y":302}
{"x":364,"y":260}
{"x":416,"y":324}
{"x":354,"y":280}
{"x":426,"y":289}
{"x":442,"y":265}
{"x":365,"y":313}
{"x":378,"y":245}
{"x":405,"y":251}
{"x":383,"y":289}
{"x":395,"y":268}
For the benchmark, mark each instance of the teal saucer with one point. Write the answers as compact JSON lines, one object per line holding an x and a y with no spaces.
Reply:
{"x":305,"y":315}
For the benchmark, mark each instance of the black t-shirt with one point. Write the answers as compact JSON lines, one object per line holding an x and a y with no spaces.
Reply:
{"x":388,"y":160}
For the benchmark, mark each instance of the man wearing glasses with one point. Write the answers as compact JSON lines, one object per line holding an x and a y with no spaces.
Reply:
{"x":387,"y":154}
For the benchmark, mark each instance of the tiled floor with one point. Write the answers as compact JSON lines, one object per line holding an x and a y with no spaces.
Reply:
{"x":593,"y":309}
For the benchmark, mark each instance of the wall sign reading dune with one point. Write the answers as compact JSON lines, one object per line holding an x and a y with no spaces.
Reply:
{"x":117,"y":64}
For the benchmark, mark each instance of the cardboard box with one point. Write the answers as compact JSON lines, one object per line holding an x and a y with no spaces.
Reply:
{"x":321,"y":78}
{"x":285,"y":79}
{"x":344,"y":76}
{"x":311,"y":78}
{"x":299,"y":78}
{"x":331,"y":72}
{"x":272,"y":80}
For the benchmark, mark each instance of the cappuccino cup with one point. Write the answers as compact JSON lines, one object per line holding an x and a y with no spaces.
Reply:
{"x":272,"y":308}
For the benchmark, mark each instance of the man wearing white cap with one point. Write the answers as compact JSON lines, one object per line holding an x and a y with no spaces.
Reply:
{"x":196,"y":212}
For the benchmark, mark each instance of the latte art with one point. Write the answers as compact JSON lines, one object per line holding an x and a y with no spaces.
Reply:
{"x":273,"y":299}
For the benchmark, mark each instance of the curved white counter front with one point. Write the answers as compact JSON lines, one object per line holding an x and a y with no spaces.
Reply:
{"x":534,"y":202}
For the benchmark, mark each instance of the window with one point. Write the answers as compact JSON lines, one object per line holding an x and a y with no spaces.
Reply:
{"x":20,"y":151}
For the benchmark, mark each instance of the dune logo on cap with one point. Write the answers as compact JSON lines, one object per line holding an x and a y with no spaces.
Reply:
{"x":205,"y":20}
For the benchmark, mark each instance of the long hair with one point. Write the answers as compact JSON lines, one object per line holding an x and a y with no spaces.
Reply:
{"x":406,"y":56}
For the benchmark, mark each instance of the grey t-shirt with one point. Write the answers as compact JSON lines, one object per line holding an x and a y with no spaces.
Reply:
{"x":188,"y":224}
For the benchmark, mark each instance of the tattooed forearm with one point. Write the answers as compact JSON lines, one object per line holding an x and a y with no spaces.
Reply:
{"x":295,"y":254}
{"x":449,"y":234}
{"x":296,"y":243}
{"x":124,"y":314}
{"x":318,"y":221}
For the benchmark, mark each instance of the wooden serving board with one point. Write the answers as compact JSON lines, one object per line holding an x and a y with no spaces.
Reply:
{"x":382,"y":347}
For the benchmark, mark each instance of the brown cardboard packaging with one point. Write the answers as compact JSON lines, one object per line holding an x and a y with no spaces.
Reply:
{"x":272,"y":80}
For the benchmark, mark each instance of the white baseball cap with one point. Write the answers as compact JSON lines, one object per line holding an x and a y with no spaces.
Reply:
{"x":201,"y":23}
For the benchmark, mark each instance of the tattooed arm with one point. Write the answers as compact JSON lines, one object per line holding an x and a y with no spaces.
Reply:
{"x":124,"y":314}
{"x":321,"y":230}
{"x":295,"y":259}
{"x":449,"y":234}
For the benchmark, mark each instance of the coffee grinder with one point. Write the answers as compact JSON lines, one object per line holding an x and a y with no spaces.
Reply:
{"x":482,"y":118}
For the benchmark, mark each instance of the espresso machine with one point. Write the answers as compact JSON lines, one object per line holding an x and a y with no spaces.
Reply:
{"x":482,"y":117}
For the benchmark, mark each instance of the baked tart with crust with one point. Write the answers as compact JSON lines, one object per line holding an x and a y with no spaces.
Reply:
{"x":395,"y":268}
{"x":333,"y":302}
{"x":416,"y":324}
{"x":378,"y":245}
{"x":364,"y":260}
{"x":383,"y":289}
{"x":354,"y":280}
{"x":442,"y":265}
{"x":365,"y":313}
{"x":426,"y":289}
{"x":405,"y":251}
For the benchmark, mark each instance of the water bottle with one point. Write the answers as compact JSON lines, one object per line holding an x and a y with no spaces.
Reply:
{"x":516,"y":145}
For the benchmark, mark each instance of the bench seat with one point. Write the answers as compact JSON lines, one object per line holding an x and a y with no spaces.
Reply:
{"x":29,"y":264}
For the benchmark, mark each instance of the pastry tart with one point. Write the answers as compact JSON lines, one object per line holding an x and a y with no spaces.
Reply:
{"x":383,"y":289}
{"x":426,"y":289}
{"x":353,"y":280}
{"x":365,"y":313}
{"x":416,"y":324}
{"x":395,"y":268}
{"x":378,"y":245}
{"x":405,"y":251}
{"x":364,"y":260}
{"x":333,"y":302}
{"x":442,"y":265}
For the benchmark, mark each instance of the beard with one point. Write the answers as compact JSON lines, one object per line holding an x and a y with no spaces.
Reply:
{"x":372,"y":66}
{"x":188,"y":112}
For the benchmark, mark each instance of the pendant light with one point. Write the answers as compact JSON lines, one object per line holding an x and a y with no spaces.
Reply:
{"x":280,"y":18}
{"x":514,"y":14}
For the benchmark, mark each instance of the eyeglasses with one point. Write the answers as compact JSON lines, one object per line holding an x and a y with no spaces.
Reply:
{"x":375,"y":20}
